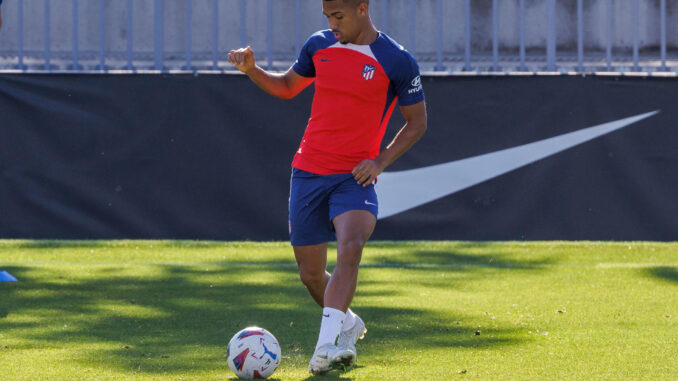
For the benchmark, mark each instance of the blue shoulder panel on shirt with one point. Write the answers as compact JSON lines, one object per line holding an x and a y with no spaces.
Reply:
{"x":401,"y":68}
{"x":319,"y":40}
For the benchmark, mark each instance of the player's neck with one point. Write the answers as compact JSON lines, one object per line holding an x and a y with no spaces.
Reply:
{"x":368,"y":35}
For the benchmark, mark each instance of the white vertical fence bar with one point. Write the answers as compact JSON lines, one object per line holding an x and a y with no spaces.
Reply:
{"x":384,"y":16}
{"x":243,"y":23}
{"x":158,"y":34}
{"x":551,"y":35}
{"x":467,"y":35}
{"x":215,"y":34}
{"x":580,"y":35}
{"x":48,"y":47}
{"x":439,"y":45}
{"x":662,"y":14}
{"x":413,"y":27}
{"x":608,"y":34}
{"x":75,"y":65}
{"x":636,"y":32}
{"x":102,"y":36}
{"x":130,"y":36}
{"x":269,"y":33}
{"x":606,"y":13}
{"x":521,"y":26}
{"x":188,"y":46}
{"x":495,"y":37}
{"x":297,"y":27}
{"x":20,"y":34}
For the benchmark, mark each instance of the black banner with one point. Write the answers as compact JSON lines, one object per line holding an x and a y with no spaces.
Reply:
{"x":207,"y":157}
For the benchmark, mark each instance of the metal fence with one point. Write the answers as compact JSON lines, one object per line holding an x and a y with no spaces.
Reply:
{"x":444,"y":35}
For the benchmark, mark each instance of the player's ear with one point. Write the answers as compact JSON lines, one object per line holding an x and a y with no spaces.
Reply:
{"x":363,"y":8}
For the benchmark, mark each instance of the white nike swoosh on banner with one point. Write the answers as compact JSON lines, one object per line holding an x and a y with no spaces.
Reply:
{"x":404,"y":190}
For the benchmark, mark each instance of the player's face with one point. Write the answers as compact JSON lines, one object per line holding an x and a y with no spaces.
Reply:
{"x":345,"y":20}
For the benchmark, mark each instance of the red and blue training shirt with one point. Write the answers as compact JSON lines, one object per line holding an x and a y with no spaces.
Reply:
{"x":356,"y":89}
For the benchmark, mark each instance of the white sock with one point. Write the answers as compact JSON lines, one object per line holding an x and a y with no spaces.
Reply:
{"x":330,"y":326}
{"x":349,"y":321}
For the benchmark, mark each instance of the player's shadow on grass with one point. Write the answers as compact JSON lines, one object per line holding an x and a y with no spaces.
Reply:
{"x":333,"y":375}
{"x":178,"y":319}
{"x":464,"y":257}
{"x":464,"y":262}
{"x":459,"y":266}
{"x":669,"y":274}
{"x":102,"y":244}
{"x":57,"y":244}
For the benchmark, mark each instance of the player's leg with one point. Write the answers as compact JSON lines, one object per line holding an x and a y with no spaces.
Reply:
{"x":353,"y":209}
{"x":353,"y":229}
{"x":312,"y":263}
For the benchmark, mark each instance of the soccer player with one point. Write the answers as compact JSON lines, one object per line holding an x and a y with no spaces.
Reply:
{"x":359,"y":74}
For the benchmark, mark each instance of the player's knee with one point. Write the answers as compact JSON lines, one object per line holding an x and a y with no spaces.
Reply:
{"x":351,"y":246}
{"x":311,"y":278}
{"x":350,"y":252}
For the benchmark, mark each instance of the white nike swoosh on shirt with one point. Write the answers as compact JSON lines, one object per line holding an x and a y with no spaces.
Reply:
{"x":404,"y":190}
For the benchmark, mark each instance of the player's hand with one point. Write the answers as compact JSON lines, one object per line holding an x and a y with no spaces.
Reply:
{"x":367,"y":171}
{"x":243,"y":59}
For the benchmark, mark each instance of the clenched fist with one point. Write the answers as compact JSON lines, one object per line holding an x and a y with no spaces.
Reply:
{"x":242,"y":58}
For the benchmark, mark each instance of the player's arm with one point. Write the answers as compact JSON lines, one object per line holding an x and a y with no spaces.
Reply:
{"x":415,"y":116}
{"x":282,"y":85}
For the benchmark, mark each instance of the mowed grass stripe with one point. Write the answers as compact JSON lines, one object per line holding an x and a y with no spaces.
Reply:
{"x":394,"y":265}
{"x":159,"y":310}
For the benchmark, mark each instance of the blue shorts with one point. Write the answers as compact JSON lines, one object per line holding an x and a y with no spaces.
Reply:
{"x":316,"y":199}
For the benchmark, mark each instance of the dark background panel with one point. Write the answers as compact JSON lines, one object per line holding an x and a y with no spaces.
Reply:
{"x":207,"y":157}
{"x":617,"y":187}
{"x":145,"y":156}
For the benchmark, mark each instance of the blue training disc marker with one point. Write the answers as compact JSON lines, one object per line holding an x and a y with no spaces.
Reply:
{"x":7,"y":277}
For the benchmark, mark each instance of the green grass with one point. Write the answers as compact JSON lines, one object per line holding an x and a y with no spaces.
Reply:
{"x":164,"y":310}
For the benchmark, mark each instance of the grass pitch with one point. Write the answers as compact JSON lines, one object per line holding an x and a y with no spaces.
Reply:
{"x":165,"y":310}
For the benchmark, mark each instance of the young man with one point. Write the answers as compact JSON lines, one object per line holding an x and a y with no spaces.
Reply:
{"x":359,"y":73}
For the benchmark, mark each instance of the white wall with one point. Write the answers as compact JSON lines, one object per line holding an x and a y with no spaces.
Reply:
{"x":284,"y":25}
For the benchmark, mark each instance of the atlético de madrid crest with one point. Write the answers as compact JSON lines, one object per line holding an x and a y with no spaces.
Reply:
{"x":368,"y":72}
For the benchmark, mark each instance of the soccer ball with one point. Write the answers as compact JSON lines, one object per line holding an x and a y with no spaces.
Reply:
{"x":253,"y":353}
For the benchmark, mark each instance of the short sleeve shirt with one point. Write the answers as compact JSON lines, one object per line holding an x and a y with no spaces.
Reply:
{"x":356,"y":90}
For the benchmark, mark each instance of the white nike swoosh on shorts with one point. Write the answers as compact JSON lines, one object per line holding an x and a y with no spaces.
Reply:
{"x":404,"y":190}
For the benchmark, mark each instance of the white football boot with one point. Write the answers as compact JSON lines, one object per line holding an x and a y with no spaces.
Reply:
{"x":348,"y":355}
{"x":324,"y":359}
